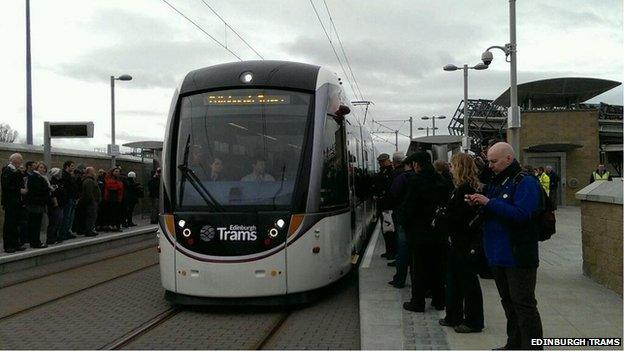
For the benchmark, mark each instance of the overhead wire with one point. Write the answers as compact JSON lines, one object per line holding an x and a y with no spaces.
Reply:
{"x":202,"y":29}
{"x":232,"y":29}
{"x":382,"y":139}
{"x":335,"y":52}
{"x":390,"y":129}
{"x":343,"y":51}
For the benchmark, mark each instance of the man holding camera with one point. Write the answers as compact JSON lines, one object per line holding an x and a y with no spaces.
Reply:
{"x":510,"y":239}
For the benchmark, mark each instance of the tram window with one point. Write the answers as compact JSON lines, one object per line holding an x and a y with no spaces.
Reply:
{"x":244,"y":147}
{"x":334,"y":184}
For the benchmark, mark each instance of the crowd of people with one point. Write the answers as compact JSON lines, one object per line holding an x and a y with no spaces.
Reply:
{"x":77,"y":200}
{"x":453,"y":222}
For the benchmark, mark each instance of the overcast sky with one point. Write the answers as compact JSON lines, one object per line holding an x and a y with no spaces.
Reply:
{"x":396,"y":50}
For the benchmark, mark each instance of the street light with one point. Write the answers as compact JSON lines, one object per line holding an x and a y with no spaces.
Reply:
{"x":427,"y":128}
{"x":513,"y":123}
{"x":478,"y":67}
{"x":112,"y":80}
{"x":433,"y":118}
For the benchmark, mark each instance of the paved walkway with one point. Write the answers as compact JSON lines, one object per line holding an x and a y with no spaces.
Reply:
{"x":138,"y":219}
{"x":570,"y":304}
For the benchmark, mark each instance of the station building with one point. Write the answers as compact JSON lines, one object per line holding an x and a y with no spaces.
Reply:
{"x":558,"y":128}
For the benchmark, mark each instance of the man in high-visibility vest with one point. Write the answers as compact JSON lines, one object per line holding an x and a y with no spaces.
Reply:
{"x":554,"y":185}
{"x":600,"y":175}
{"x":544,"y":179}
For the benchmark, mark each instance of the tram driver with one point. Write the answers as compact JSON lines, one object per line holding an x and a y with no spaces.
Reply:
{"x":258,"y":173}
{"x":216,"y":170}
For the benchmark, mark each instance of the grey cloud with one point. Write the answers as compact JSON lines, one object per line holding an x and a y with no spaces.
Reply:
{"x":159,"y":64}
{"x":128,"y":26}
{"x":581,"y":14}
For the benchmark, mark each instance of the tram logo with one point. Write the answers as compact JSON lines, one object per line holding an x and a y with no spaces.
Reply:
{"x":238,"y":233}
{"x":207,"y":233}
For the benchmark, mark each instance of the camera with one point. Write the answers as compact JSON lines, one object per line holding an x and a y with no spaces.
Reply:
{"x":487,"y":57}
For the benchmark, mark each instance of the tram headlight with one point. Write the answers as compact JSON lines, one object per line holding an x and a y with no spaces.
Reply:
{"x":246,"y":77}
{"x":186,"y":232}
{"x":280,"y":223}
{"x":181,"y":223}
{"x":273,"y":232}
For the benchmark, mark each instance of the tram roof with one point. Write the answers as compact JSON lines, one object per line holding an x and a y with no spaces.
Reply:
{"x":558,"y":91}
{"x":266,"y":73}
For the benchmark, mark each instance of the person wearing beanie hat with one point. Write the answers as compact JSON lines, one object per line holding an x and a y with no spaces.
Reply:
{"x":425,"y":190}
{"x":134,"y":191}
{"x":382,"y":157}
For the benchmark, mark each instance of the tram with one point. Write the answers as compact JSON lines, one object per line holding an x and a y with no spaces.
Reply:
{"x":266,"y":181}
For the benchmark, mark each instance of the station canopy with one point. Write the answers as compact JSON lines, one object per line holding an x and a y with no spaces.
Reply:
{"x":154,"y":145}
{"x":557,"y":92}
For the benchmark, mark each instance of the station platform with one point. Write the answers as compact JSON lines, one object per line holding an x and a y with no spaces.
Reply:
{"x":34,"y":263}
{"x":571,"y":305}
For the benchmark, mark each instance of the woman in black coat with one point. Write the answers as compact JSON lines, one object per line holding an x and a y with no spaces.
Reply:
{"x":464,"y":301}
{"x":55,"y":207}
{"x":37,"y":198}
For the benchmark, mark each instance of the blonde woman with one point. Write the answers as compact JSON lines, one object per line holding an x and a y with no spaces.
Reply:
{"x":464,"y":301}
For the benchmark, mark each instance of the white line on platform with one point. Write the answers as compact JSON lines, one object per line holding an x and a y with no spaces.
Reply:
{"x":370,"y":249}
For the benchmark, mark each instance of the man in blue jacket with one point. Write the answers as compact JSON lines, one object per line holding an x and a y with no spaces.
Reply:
{"x":510,"y":239}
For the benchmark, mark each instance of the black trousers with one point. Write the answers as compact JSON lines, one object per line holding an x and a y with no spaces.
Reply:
{"x":90,"y":214}
{"x":10,"y":233}
{"x":34,"y":228}
{"x":516,"y":287}
{"x":464,"y":300}
{"x":129,"y":209}
{"x":427,"y":272}
{"x":55,"y":221}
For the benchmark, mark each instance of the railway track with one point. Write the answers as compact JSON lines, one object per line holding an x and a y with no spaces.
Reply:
{"x":53,"y":299}
{"x":136,"y":333}
{"x":276,"y":327}
{"x":127,"y":340}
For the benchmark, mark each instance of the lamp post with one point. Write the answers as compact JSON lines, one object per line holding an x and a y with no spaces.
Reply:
{"x":513,"y":120}
{"x":29,"y":122}
{"x":450,"y":67}
{"x":112,"y":80}
{"x":433,"y":119}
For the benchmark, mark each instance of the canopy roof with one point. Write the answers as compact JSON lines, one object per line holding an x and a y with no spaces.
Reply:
{"x":557,"y":92}
{"x":154,"y":145}
{"x":439,"y":139}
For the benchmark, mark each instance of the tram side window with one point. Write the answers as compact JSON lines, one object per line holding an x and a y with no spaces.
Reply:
{"x":334,"y":184}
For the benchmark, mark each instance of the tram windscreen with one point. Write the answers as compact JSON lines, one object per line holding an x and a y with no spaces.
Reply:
{"x":240,"y":148}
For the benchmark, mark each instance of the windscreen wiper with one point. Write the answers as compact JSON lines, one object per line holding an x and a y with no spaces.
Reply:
{"x":189,"y":174}
{"x":281,"y":185}
{"x":196,"y":183}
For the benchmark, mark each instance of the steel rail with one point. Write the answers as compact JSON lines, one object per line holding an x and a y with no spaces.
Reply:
{"x":144,"y":328}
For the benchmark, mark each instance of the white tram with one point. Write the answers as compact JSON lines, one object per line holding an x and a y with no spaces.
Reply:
{"x":265,"y":184}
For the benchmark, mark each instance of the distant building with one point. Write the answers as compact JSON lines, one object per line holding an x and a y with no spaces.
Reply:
{"x":558,"y":128}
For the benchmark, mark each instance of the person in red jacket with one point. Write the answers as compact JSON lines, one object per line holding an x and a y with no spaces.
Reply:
{"x":113,"y":197}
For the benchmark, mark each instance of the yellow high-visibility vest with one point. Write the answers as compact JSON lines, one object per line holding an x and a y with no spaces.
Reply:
{"x":598,"y":177}
{"x":544,"y":180}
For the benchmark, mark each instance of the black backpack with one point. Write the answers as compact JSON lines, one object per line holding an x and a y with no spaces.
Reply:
{"x":545,"y":217}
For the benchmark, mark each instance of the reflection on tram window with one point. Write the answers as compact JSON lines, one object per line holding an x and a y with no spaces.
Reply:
{"x":243,"y":153}
{"x":334,"y":183}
